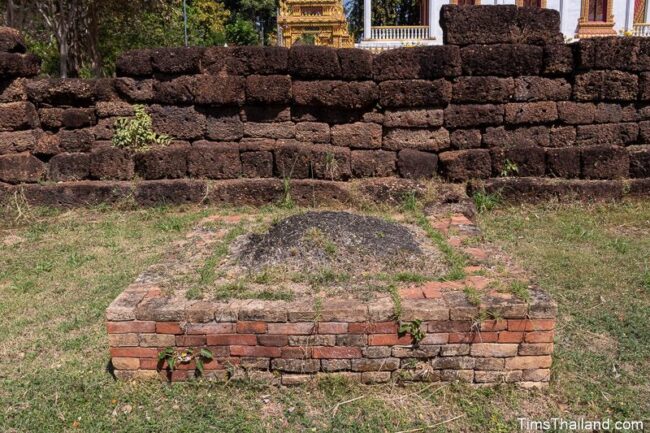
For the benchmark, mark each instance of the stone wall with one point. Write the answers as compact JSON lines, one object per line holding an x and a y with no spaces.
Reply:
{"x":504,"y":99}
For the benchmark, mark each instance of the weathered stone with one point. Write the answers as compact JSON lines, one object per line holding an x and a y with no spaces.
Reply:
{"x":528,"y":160}
{"x":462,"y":165}
{"x":265,"y":113}
{"x":607,"y":133}
{"x":319,"y":161}
{"x":558,"y":59}
{"x":114,"y":108}
{"x":563,"y":162}
{"x":268,"y":89}
{"x":19,"y":141}
{"x":417,"y":62}
{"x":605,"y":162}
{"x":465,"y":139}
{"x":626,"y":54}
{"x":315,"y":132}
{"x":134,"y":63}
{"x":576,"y":113}
{"x":464,"y":116}
{"x":212,"y":90}
{"x":214,"y":160}
{"x":421,"y":118}
{"x":170,"y":192}
{"x":184,"y":123}
{"x":493,"y":350}
{"x":330,"y":365}
{"x":310,"y":61}
{"x":296,"y":365}
{"x":414,"y":164}
{"x":484,"y":89}
{"x":420,"y":139}
{"x":69,"y":167}
{"x":359,"y":135}
{"x":174,"y":92}
{"x":59,"y":91}
{"x":177,"y":60}
{"x":562,"y":136}
{"x":11,"y":41}
{"x":529,"y":89}
{"x":464,"y":25}
{"x":531,"y":113}
{"x":19,"y":65}
{"x":372,"y":163}
{"x":502,"y":137}
{"x":608,"y":113}
{"x":110,"y":163}
{"x":135,"y":90}
{"x":270,"y":130}
{"x":356,"y":64}
{"x":605,"y":86}
{"x":257,"y":164}
{"x":12,"y":89}
{"x":414,"y":93}
{"x":376,"y":364}
{"x":502,"y":60}
{"x":162,"y":163}
{"x":21,"y":167}
{"x":76,"y":140}
{"x":335,"y":94}
{"x":17,"y":115}
{"x":224,"y":128}
{"x":639,"y":161}
{"x":78,"y":117}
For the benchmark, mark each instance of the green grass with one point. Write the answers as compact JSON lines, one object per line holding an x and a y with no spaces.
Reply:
{"x":60,"y":269}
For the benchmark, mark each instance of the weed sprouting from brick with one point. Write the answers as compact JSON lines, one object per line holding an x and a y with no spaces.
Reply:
{"x":520,"y":290}
{"x":485,"y":202}
{"x":473,"y":296}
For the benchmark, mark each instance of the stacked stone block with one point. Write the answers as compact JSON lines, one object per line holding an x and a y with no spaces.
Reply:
{"x":485,"y":100}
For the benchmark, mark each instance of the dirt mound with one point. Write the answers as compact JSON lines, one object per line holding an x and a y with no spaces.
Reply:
{"x":340,"y":241}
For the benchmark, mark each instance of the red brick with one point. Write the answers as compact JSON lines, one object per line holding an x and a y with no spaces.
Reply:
{"x":389,"y":339}
{"x":332,"y":328}
{"x":232,"y":339}
{"x":168,"y":328}
{"x":372,"y":328}
{"x":251,"y":327}
{"x":150,"y":364}
{"x":528,"y":362}
{"x":435,"y":338}
{"x":135,"y":352}
{"x":132,"y":326}
{"x":510,"y":337}
{"x":539,"y":337}
{"x":210,"y":328}
{"x":411,"y":293}
{"x":125,"y":363}
{"x":338,"y":352}
{"x":460,"y":337}
{"x":291,"y":328}
{"x":473,"y":337}
{"x":296,"y":352}
{"x":494,"y":325}
{"x":261,"y":351}
{"x":122,"y":340}
{"x":432,"y":290}
{"x":272,"y":340}
{"x":531,"y":325}
{"x":190,"y":340}
{"x":450,"y":326}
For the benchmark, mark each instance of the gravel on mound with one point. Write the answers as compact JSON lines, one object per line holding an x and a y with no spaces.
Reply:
{"x":340,"y":241}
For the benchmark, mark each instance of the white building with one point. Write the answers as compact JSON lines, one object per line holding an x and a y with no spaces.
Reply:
{"x":579,"y":19}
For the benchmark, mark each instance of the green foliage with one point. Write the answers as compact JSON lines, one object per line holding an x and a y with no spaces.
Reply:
{"x":414,"y":328}
{"x":242,"y":32}
{"x":173,"y":357}
{"x":520,"y":290}
{"x":485,"y":202}
{"x":137,"y":134}
{"x":473,"y":296}
{"x":509,"y":168}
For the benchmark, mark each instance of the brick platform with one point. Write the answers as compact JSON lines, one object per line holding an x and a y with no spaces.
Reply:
{"x":502,"y":339}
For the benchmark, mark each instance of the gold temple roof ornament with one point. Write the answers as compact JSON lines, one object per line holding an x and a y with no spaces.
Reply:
{"x":321,"y":22}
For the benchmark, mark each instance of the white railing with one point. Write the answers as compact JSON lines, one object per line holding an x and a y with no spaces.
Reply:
{"x":641,"y":29}
{"x":399,"y":33}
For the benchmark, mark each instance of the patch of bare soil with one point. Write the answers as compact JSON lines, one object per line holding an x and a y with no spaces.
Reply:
{"x":342,"y":242}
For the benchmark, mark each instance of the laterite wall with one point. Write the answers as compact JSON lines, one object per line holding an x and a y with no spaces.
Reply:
{"x":504,"y":87}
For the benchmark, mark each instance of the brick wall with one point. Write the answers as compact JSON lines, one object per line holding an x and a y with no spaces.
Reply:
{"x":504,"y":90}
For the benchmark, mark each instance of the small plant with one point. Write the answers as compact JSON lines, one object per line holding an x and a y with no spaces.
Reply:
{"x":137,"y":134}
{"x":173,"y":357}
{"x":286,"y":202}
{"x":509,"y":168}
{"x":520,"y":290}
{"x":473,"y":296}
{"x":414,"y":328}
{"x":485,"y":202}
{"x":410,"y":202}
{"x":331,"y":165}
